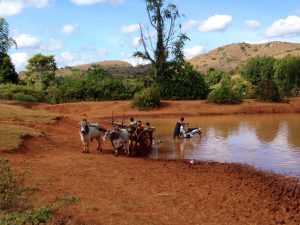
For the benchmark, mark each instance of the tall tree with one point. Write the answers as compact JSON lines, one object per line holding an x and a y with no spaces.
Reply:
{"x":40,"y":70}
{"x":6,"y":42}
{"x":7,"y":70}
{"x":168,"y":36}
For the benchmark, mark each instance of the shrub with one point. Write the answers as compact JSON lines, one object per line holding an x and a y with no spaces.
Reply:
{"x":184,"y":82}
{"x":224,"y":94}
{"x":147,"y":99}
{"x":20,"y":92}
{"x":258,"y":69}
{"x":287,"y":75}
{"x":268,"y":91}
{"x":25,"y":97}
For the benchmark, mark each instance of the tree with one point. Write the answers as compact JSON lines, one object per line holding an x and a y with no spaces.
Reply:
{"x":258,"y":69}
{"x":7,"y":70}
{"x":40,"y":70}
{"x":287,"y":74}
{"x":169,"y":39}
{"x":6,"y":42}
{"x":184,"y":82}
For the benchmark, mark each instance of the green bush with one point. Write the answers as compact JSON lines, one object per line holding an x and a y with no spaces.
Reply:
{"x":258,"y":69}
{"x":20,"y":92}
{"x":183,"y":82}
{"x":287,"y":75}
{"x":25,"y":97}
{"x":147,"y":99}
{"x":268,"y":91}
{"x":224,"y":94}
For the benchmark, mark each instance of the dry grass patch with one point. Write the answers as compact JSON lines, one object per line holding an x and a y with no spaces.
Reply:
{"x":11,"y":136}
{"x":10,"y":113}
{"x":16,"y":123}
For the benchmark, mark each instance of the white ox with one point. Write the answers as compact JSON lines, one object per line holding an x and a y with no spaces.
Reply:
{"x":88,"y":133}
{"x":120,"y":139}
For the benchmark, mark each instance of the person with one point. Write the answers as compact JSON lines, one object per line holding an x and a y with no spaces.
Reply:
{"x":132,"y":125}
{"x":179,"y":123}
{"x":139,"y":128}
{"x":148,"y":127}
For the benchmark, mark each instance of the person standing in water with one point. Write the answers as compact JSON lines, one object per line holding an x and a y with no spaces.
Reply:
{"x":177,"y":127}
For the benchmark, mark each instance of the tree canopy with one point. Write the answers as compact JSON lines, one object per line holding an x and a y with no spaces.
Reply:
{"x":168,"y":42}
{"x":6,"y":42}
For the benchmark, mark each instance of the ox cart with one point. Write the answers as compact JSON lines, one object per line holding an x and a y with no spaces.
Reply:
{"x":140,"y":144}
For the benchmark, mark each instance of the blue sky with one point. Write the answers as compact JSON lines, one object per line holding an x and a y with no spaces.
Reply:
{"x":86,"y":31}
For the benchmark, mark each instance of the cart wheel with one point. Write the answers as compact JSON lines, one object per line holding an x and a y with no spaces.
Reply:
{"x":144,"y":142}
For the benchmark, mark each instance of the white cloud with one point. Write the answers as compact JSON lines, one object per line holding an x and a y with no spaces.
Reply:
{"x":92,"y":2}
{"x":194,"y":51}
{"x":69,"y":29}
{"x":15,"y":7}
{"x":130,"y":28}
{"x":257,"y":42}
{"x":19,"y":60}
{"x":37,"y":3}
{"x":190,"y":25}
{"x":52,"y":45}
{"x":26,"y":41}
{"x":10,"y":8}
{"x":136,"y":42}
{"x":216,"y":23}
{"x":284,"y":27}
{"x":252,"y":24}
{"x":74,"y":59}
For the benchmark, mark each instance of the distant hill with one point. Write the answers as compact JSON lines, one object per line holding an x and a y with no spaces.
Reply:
{"x":229,"y":57}
{"x":114,"y":67}
{"x":226,"y":58}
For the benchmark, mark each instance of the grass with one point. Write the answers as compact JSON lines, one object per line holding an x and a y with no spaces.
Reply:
{"x":16,"y":123}
{"x":11,"y":136}
{"x":9,"y":112}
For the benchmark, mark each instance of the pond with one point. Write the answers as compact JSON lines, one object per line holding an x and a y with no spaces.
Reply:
{"x":267,"y":142}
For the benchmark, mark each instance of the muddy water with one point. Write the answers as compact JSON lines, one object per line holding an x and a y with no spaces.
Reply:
{"x":267,"y":142}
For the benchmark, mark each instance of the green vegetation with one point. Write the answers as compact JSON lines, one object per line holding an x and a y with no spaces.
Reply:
{"x":287,"y":75}
{"x":6,"y":42}
{"x":16,"y":199}
{"x":7,"y":70}
{"x":40,"y":71}
{"x":147,"y":99}
{"x":170,"y":77}
{"x":183,"y":82}
{"x":268,"y":91}
{"x":224,"y":93}
{"x":167,"y":46}
{"x":21,"y":93}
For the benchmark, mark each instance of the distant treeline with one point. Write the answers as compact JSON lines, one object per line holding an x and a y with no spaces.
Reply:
{"x":264,"y":78}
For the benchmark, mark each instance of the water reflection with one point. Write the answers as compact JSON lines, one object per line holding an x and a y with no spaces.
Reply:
{"x":269,"y":142}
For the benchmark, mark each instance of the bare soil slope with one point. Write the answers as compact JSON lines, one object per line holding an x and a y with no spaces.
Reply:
{"x":230,"y":57}
{"x":121,"y":190}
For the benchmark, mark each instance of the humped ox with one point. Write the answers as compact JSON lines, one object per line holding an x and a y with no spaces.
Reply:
{"x":119,"y":138}
{"x":89,"y":132}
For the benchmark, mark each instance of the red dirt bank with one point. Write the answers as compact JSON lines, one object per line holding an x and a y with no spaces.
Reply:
{"x":137,"y":191}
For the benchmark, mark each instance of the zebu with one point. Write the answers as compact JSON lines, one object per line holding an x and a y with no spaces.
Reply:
{"x":89,"y":132}
{"x":119,"y":138}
